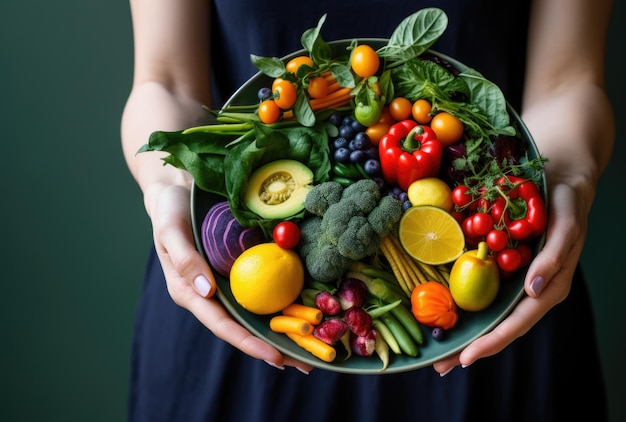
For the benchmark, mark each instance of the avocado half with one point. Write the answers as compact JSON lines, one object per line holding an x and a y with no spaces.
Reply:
{"x":277,"y":190}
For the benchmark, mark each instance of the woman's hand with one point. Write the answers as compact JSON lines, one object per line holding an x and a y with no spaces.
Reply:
{"x":190,"y":281}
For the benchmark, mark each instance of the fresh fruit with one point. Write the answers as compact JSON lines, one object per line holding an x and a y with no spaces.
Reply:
{"x":474,"y":279}
{"x":430,"y":191}
{"x":269,"y":112}
{"x":400,"y":108}
{"x":286,"y":234}
{"x":266,"y":278}
{"x":224,"y":239}
{"x":432,"y":305}
{"x":420,"y":111}
{"x":294,"y":64}
{"x":431,"y":235}
{"x":277,"y":190}
{"x":364,"y":61}
{"x":449,"y":128}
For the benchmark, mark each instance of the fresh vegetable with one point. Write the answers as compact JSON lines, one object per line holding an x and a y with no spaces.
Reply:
{"x":331,"y":330}
{"x":308,"y":313}
{"x":434,"y":306}
{"x":351,"y":293}
{"x":348,"y":230}
{"x":405,"y":341}
{"x":358,"y":320}
{"x":224,"y":239}
{"x":448,"y":128}
{"x":382,"y":349}
{"x":420,"y":111}
{"x":328,"y":303}
{"x":290,"y":324}
{"x":269,"y":111}
{"x":364,"y":345}
{"x":315,"y":346}
{"x":474,"y":279}
{"x":408,"y":152}
{"x":526,"y":215}
{"x":286,"y":234}
{"x":400,"y":108}
{"x":364,"y":61}
{"x":383,"y":331}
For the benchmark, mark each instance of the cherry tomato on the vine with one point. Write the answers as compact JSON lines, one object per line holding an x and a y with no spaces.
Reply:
{"x":497,"y":239}
{"x":421,"y":111}
{"x":449,"y":128}
{"x":286,"y":234}
{"x":482,"y":223}
{"x":269,"y":112}
{"x":285,"y":93}
{"x":509,"y":259}
{"x":400,"y":108}
{"x":364,"y":61}
{"x":461,"y":196}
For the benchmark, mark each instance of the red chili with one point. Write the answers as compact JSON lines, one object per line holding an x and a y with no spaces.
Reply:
{"x":409,"y":152}
{"x":525,"y":208}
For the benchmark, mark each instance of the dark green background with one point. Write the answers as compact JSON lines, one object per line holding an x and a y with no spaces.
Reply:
{"x":74,"y":234}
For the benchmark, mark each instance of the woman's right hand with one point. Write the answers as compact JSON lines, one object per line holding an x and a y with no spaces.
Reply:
{"x":190,"y":281}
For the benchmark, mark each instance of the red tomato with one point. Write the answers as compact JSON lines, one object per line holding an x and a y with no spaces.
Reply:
{"x":497,"y":240}
{"x":461,"y":196}
{"x":509,"y":259}
{"x":482,"y":223}
{"x":286,"y":234}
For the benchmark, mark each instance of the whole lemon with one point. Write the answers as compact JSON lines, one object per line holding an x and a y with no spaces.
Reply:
{"x":266,"y":278}
{"x":430,"y":191}
{"x":474,"y":279}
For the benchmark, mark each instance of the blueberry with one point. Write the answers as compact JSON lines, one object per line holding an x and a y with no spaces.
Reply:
{"x":346,"y":132}
{"x":340,"y":143}
{"x":264,"y":94}
{"x":406,"y":205}
{"x":357,"y":156}
{"x":347,"y":121}
{"x":372,"y":167}
{"x":342,"y":155}
{"x":335,"y":119}
{"x":358,"y":127}
{"x":403,"y":196}
{"x":372,"y":152}
{"x":438,"y":333}
{"x":362,"y":141}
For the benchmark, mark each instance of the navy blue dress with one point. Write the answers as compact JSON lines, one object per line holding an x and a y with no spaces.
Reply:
{"x":181,"y":372}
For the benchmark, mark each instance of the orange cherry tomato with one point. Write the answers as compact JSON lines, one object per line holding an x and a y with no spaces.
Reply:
{"x":448,"y":128}
{"x":400,"y":108}
{"x":386,"y":117}
{"x":285,"y":93}
{"x":269,"y":112}
{"x":376,"y":131}
{"x":364,"y":61}
{"x":421,"y":111}
{"x":432,"y":305}
{"x":318,"y":87}
{"x":294,"y":64}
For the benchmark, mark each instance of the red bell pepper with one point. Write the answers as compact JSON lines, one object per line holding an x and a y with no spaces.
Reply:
{"x":408,"y":152}
{"x":521,"y":209}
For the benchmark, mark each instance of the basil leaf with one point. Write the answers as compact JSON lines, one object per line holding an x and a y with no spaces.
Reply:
{"x":270,"y":66}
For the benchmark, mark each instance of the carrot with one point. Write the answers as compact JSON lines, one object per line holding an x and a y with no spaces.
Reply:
{"x":289,"y":324}
{"x":315,"y":346}
{"x":308,"y":313}
{"x":319,"y":103}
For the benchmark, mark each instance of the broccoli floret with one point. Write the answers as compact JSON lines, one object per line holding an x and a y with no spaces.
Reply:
{"x":359,"y":240}
{"x":385,"y":216}
{"x":309,"y":235}
{"x":337,"y":217}
{"x":326,"y":264}
{"x":322,"y":196}
{"x":364,"y":192}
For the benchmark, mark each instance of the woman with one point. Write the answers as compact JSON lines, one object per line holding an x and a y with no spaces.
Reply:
{"x":186,"y":365}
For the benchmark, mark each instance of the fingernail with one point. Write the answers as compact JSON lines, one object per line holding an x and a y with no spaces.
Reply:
{"x":303,"y":371}
{"x":443,"y":374}
{"x":202,"y":285}
{"x":464,"y":366}
{"x":274,"y":365}
{"x":536,"y":286}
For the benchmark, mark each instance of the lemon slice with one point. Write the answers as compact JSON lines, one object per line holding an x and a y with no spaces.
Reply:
{"x":431,"y":235}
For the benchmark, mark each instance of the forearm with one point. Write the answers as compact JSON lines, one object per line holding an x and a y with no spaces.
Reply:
{"x":151,"y":107}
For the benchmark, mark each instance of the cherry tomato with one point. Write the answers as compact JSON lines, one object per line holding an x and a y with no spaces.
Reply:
{"x":526,"y":253}
{"x":497,"y":240}
{"x":449,"y":129}
{"x":482,"y":223}
{"x":509,"y":259}
{"x":285,"y":93}
{"x":400,"y":108}
{"x":421,"y":111}
{"x":318,"y":87}
{"x":376,"y":131}
{"x":269,"y":112}
{"x":461,"y":196}
{"x":286,"y":234}
{"x":294,"y":64}
{"x":466,"y":226}
{"x":364,"y":61}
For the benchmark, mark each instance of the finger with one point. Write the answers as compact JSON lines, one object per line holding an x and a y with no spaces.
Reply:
{"x":444,"y":366}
